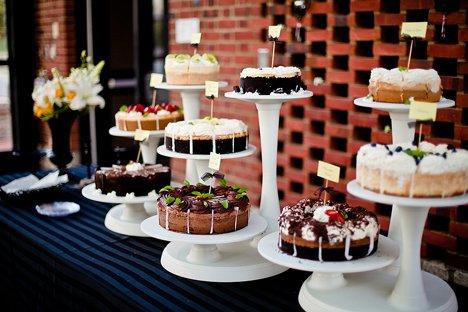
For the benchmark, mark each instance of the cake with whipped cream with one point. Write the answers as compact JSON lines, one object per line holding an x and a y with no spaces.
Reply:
{"x":271,"y":80}
{"x":199,"y":209}
{"x":134,"y":179}
{"x":183,"y":69}
{"x":327,"y":231}
{"x":406,"y":170}
{"x":398,"y":85}
{"x":202,"y":136}
{"x":151,"y":118}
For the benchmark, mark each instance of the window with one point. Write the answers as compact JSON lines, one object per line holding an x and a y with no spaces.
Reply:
{"x":6,"y":136}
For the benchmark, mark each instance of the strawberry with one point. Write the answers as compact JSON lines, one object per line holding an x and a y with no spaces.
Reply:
{"x":157,"y":108}
{"x":129,"y":108}
{"x":149,"y":109}
{"x":171,"y":107}
{"x":335,"y":216}
{"x":140,"y":108}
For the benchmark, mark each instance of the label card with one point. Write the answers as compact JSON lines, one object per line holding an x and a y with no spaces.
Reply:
{"x":274,"y":31}
{"x":328,"y":171}
{"x":211,"y":88}
{"x":141,"y":135}
{"x":215,"y":161}
{"x":414,"y":29}
{"x":155,"y":80}
{"x":423,"y":110}
{"x":195,"y":38}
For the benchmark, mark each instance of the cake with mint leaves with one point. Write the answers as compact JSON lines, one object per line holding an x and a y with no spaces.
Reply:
{"x":151,"y":118}
{"x":201,"y":209}
{"x":406,"y":170}
{"x":183,"y":69}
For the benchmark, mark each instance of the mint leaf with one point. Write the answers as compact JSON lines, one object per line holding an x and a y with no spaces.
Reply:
{"x":170,"y":200}
{"x":224,"y":203}
{"x":240,"y":195}
{"x":205,"y":204}
{"x":166,"y":189}
{"x":402,"y":68}
{"x":407,"y":102}
{"x":123,"y":108}
{"x":186,"y":182}
{"x":196,"y":193}
{"x":223,"y":182}
{"x":416,"y":152}
{"x":178,"y":201}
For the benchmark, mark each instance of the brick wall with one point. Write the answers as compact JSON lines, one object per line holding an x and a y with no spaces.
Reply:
{"x":47,"y":12}
{"x":344,"y":40}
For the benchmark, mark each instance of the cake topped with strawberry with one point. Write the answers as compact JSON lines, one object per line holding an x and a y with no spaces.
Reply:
{"x":153,"y":117}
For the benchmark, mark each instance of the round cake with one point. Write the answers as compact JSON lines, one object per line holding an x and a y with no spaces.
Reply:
{"x":202,"y":136}
{"x":405,"y":170}
{"x":183,"y":69}
{"x":195,"y":209}
{"x":133,"y":179}
{"x":326,"y":231}
{"x":398,"y":85}
{"x":130,"y":118}
{"x":271,"y":80}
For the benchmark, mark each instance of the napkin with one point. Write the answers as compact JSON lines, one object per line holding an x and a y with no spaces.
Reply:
{"x":31,"y":182}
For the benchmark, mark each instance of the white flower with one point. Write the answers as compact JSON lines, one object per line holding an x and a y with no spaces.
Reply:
{"x":50,"y":92}
{"x":82,"y":90}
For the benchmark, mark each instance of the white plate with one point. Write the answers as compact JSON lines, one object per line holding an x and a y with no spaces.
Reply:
{"x":89,"y":191}
{"x":259,"y":98}
{"x":130,"y":134}
{"x":363,"y":101}
{"x":166,"y":86}
{"x":162,"y":150}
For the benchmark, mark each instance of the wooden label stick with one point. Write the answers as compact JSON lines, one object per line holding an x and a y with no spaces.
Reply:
{"x":273,"y":35}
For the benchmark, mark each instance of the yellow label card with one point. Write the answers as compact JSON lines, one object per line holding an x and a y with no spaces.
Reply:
{"x":211,"y":88}
{"x":155,"y":80}
{"x":215,"y":161}
{"x":195,"y":38}
{"x":414,"y":29}
{"x":274,"y":31}
{"x":328,"y":171}
{"x":141,"y":135}
{"x":423,"y":110}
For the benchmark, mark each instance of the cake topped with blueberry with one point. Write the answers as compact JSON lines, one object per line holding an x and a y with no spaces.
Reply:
{"x":407,"y":170}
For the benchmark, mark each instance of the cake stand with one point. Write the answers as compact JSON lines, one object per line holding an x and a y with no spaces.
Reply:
{"x":414,"y":289}
{"x":212,"y":258}
{"x":190,"y":95}
{"x":148,"y":147}
{"x":327,"y":289}
{"x":403,"y":129}
{"x":124,"y":218}
{"x":268,"y":107}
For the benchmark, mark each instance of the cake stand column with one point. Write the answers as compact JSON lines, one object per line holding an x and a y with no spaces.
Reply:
{"x":409,"y":293}
{"x":148,"y":150}
{"x":134,"y":212}
{"x":268,"y":117}
{"x":203,"y":254}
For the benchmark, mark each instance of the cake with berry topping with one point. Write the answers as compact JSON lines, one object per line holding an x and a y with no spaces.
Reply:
{"x":183,"y":69}
{"x":152,"y":118}
{"x":201,"y":209}
{"x":327,"y":231}
{"x":405,"y":170}
{"x":133,"y":179}
{"x":271,"y":80}
{"x":202,"y":136}
{"x":398,"y":85}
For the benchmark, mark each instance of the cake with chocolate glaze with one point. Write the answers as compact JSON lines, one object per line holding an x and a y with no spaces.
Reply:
{"x":202,"y":136}
{"x":271,"y":80}
{"x":134,"y":178}
{"x":326,"y":231}
{"x":406,"y":170}
{"x":195,"y":209}
{"x":398,"y":85}
{"x":151,"y":118}
{"x":183,"y":69}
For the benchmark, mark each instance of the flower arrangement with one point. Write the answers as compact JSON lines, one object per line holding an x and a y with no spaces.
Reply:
{"x":75,"y":92}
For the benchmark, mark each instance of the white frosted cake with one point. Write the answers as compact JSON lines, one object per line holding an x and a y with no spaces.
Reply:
{"x":183,"y":69}
{"x":398,"y":85}
{"x":404,"y":170}
{"x":202,"y":136}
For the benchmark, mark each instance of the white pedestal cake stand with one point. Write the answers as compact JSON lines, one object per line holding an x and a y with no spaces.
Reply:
{"x":148,"y":148}
{"x":212,"y":258}
{"x":403,"y":129}
{"x":190,"y":95}
{"x":327,"y":289}
{"x":414,"y":290}
{"x":268,"y":107}
{"x":124,"y":218}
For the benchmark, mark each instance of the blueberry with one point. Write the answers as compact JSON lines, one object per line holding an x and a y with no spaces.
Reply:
{"x":386,"y":146}
{"x":398,"y":149}
{"x":451,"y":147}
{"x":444,"y":155}
{"x":236,"y":89}
{"x":390,"y":153}
{"x":373,"y":144}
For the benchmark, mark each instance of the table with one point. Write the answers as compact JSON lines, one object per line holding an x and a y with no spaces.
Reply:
{"x":75,"y":263}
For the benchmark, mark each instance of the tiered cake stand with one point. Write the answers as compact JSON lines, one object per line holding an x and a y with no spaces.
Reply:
{"x":403,"y":129}
{"x":239,"y":260}
{"x":268,"y":107}
{"x":124,"y":218}
{"x":190,"y":95}
{"x":148,"y":147}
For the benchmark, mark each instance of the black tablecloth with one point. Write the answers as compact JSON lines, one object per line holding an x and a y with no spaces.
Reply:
{"x":75,"y":263}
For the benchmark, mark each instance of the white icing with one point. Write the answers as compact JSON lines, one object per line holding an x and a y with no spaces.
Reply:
{"x":152,"y":193}
{"x":112,"y":194}
{"x":347,"y":247}
{"x":200,"y":127}
{"x":134,"y":166}
{"x":236,"y":209}
{"x":406,"y":78}
{"x":279,"y":71}
{"x":399,"y":163}
{"x":427,"y":147}
{"x":188,"y":221}
{"x":294,"y":246}
{"x":307,"y":232}
{"x":432,"y":164}
{"x":163,"y":113}
{"x":320,"y":249}
{"x":320,"y":213}
{"x":212,"y":222}
{"x":167,"y":218}
{"x":130,"y":195}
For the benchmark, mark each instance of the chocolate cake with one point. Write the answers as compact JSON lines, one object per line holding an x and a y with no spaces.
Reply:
{"x":195,"y":209}
{"x":271,"y":80}
{"x":326,"y":231}
{"x":202,"y":136}
{"x":133,"y":178}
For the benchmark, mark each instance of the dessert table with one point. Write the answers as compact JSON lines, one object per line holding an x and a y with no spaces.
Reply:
{"x":75,"y":263}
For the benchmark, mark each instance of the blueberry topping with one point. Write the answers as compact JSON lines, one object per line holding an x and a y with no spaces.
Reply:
{"x":390,"y":153}
{"x":451,"y":147}
{"x":236,"y":89}
{"x":373,"y":144}
{"x":444,"y":155}
{"x":398,"y":149}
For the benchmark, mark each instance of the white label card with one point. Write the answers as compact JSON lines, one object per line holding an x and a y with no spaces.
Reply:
{"x":414,"y":29}
{"x":141,"y":135}
{"x":195,"y":38}
{"x":274,"y":31}
{"x":155,"y":80}
{"x":215,"y":161}
{"x":211,"y":88}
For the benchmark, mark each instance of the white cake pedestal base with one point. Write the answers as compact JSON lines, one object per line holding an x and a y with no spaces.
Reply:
{"x":126,"y":217}
{"x":190,"y":95}
{"x":148,"y":148}
{"x":268,"y":107}
{"x":411,"y":289}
